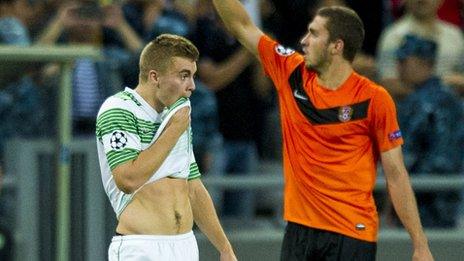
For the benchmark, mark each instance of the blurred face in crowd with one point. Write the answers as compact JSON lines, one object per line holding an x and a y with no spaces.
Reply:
{"x":414,"y":70}
{"x":86,"y":33}
{"x":315,"y":45}
{"x":175,"y":81}
{"x":423,"y":9}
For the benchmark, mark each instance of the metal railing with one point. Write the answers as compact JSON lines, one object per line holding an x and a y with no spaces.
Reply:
{"x":31,"y":176}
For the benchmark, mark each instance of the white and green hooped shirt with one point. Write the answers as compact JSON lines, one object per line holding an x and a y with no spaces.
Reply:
{"x":127,"y":125}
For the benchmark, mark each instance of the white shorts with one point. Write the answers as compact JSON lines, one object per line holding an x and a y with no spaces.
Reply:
{"x":160,"y":248}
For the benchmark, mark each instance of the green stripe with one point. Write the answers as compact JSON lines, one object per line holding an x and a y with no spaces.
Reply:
{"x":194,"y":171}
{"x":116,"y":111}
{"x":177,"y":103}
{"x":124,"y":120}
{"x":126,"y":95}
{"x":116,"y":158}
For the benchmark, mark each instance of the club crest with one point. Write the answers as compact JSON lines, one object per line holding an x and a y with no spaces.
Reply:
{"x":345,"y":113}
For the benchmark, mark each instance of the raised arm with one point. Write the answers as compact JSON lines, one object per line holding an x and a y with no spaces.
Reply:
{"x":239,"y":23}
{"x":404,"y":202}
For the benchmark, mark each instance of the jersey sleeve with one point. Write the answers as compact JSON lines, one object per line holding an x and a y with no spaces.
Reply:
{"x":384,"y":124}
{"x":278,"y":61}
{"x":117,"y":131}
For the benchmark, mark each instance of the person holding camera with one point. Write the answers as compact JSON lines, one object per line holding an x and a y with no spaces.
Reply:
{"x":84,"y":23}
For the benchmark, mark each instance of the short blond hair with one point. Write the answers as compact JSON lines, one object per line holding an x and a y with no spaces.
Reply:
{"x":157,"y":54}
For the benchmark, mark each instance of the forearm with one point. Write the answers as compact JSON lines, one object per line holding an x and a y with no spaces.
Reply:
{"x":206,"y":218}
{"x":133,"y":174}
{"x":130,"y":38}
{"x":234,"y":15}
{"x":218,"y":76}
{"x":51,"y":33}
{"x":404,"y":203}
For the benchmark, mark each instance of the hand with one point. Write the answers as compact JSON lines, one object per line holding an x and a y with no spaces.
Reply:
{"x":228,"y":256}
{"x":422,"y":254}
{"x":180,"y":120}
{"x":66,"y":14}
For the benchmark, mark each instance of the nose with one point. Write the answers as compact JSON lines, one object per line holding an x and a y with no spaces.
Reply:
{"x":192,"y":86}
{"x":303,"y":40}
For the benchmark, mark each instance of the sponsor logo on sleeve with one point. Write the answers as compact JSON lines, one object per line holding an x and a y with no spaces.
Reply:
{"x":284,"y":51}
{"x":118,"y":140}
{"x":394,"y":135}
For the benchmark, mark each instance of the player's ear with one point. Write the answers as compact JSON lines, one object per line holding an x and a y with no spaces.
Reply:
{"x":153,"y":77}
{"x":338,"y":46}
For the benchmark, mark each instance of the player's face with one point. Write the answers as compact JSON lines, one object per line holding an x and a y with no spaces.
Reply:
{"x":423,"y":8}
{"x":177,"y":81}
{"x":315,"y":45}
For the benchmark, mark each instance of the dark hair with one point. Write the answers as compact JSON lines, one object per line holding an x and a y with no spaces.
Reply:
{"x":158,"y":53}
{"x":343,"y":23}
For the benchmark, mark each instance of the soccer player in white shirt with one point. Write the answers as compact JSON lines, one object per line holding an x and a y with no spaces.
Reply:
{"x":148,"y":168}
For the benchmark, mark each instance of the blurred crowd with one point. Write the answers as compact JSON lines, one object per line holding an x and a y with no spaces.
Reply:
{"x":414,"y":48}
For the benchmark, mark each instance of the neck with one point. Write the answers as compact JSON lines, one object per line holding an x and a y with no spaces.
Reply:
{"x":426,"y":20}
{"x":148,"y":93}
{"x":335,"y":75}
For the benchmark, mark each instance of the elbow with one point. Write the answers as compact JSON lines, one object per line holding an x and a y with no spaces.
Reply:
{"x":126,"y":186}
{"x":125,"y":183}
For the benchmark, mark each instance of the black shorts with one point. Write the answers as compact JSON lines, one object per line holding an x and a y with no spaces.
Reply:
{"x":304,"y":243}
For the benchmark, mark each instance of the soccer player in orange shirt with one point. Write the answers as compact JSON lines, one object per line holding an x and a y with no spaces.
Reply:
{"x":336,"y":126}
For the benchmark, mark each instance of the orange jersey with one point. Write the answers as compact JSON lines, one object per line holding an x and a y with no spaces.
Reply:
{"x":331,"y":144}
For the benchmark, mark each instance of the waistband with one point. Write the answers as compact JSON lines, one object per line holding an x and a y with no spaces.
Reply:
{"x":164,"y":238}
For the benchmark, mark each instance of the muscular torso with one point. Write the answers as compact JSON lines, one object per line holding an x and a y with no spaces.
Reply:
{"x":159,"y":208}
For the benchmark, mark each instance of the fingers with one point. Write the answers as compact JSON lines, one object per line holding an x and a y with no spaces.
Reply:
{"x":180,"y":120}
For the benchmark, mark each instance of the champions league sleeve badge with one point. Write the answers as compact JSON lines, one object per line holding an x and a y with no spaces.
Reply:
{"x":118,"y":140}
{"x":284,"y":51}
{"x":345,"y":113}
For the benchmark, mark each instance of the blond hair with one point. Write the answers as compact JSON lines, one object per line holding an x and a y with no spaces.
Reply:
{"x":157,"y":54}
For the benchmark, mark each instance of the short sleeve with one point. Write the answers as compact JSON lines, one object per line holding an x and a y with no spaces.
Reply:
{"x":278,"y":61}
{"x":194,"y":171}
{"x":117,"y":131}
{"x":384,"y":124}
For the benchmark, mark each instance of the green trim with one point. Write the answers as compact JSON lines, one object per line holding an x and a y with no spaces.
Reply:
{"x":177,"y":103}
{"x":126,"y":95}
{"x":116,"y":158}
{"x":194,"y":171}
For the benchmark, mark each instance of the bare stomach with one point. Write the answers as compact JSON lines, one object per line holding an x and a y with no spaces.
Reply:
{"x":159,"y":208}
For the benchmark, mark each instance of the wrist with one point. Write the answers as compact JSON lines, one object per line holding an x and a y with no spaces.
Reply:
{"x":420,"y":242}
{"x":226,"y":249}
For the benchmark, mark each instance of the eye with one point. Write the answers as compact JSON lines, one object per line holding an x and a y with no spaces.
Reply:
{"x":184,"y":76}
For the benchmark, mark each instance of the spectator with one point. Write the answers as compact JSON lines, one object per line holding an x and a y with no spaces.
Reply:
{"x":228,"y":70}
{"x":449,"y":11}
{"x":206,"y":136}
{"x":430,"y":118}
{"x":93,"y":81}
{"x":421,"y":19}
{"x":150,"y":19}
{"x":19,"y":97}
